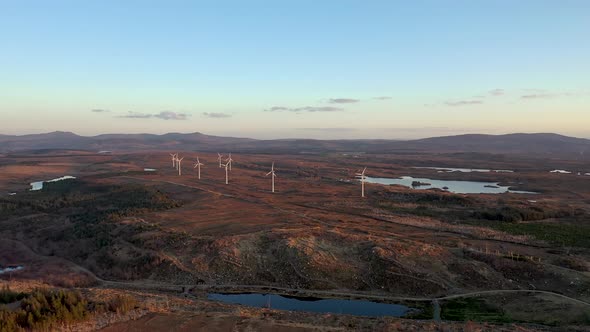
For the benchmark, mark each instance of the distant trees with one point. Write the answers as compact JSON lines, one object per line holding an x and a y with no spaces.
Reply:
{"x":44,"y":310}
{"x":98,"y":200}
{"x":519,"y":213}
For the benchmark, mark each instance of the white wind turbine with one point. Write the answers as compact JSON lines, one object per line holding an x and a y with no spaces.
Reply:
{"x":179,"y":166}
{"x":173,"y":155}
{"x":229,"y":161}
{"x":273,"y":175}
{"x":363,"y":177}
{"x":198,"y":167}
{"x":219,"y":158}
{"x":226,"y":174}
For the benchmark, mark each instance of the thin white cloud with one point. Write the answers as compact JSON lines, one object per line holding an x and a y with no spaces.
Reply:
{"x":216,"y":115}
{"x":98,"y":110}
{"x":463,"y":103}
{"x":169,"y":115}
{"x":136,"y":115}
{"x":537,"y":96}
{"x":497,"y":92}
{"x":164,"y":115}
{"x":311,"y":109}
{"x":343,"y":101}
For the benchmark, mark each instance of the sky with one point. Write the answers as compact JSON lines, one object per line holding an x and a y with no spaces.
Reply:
{"x":295,"y":68}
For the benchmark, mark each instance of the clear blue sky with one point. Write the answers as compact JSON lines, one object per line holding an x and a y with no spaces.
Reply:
{"x":327,"y":69}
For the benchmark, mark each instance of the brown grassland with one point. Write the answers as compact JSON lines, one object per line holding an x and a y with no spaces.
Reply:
{"x":487,"y":261}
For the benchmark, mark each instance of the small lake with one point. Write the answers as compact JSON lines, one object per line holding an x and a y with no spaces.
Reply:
{"x":458,"y":187}
{"x":465,"y":170}
{"x":560,"y":171}
{"x":9,"y":269}
{"x":39,"y":184}
{"x":336,"y":306}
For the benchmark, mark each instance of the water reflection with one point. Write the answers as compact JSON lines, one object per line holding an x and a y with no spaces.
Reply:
{"x":337,"y":306}
{"x":459,"y":187}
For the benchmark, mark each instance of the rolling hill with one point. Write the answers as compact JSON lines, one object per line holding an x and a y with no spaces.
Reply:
{"x":541,"y":144}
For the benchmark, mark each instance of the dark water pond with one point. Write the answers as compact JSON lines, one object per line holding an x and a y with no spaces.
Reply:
{"x":336,"y":306}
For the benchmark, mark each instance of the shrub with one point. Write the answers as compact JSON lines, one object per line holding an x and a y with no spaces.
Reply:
{"x":122,"y":304}
{"x":8,"y":296}
{"x":44,"y":310}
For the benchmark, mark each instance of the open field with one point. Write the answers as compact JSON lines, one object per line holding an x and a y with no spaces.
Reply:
{"x":119,"y":227}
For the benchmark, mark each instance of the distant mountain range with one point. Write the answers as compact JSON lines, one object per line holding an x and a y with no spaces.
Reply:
{"x":528,"y":144}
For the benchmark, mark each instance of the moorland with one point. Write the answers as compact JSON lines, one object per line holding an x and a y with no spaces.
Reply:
{"x":135,"y":249}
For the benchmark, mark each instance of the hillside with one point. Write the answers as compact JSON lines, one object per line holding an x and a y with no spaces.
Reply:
{"x":529,"y":144}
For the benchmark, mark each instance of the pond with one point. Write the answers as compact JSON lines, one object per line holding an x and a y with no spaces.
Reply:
{"x":336,"y":306}
{"x":39,"y":184}
{"x":458,"y":187}
{"x":11,"y":268}
{"x":465,"y":170}
{"x":560,"y":171}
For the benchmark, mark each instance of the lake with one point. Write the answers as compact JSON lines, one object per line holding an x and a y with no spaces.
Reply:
{"x":465,"y":170}
{"x":336,"y":306}
{"x":39,"y":184}
{"x":560,"y":171}
{"x":11,"y":268}
{"x":458,"y":187}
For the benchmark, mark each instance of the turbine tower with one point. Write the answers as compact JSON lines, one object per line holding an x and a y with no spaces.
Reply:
{"x":178,"y":165}
{"x":198,"y":167}
{"x":273,"y":175}
{"x":226,"y":174}
{"x":363,"y":177}
{"x":173,"y":155}
{"x":229,"y":160}
{"x":219,"y":158}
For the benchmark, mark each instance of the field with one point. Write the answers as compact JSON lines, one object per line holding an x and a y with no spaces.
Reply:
{"x":460,"y":257}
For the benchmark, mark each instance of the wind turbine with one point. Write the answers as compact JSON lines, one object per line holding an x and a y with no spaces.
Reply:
{"x":173,"y":155}
{"x":226,"y":175}
{"x":178,"y":164}
{"x":272,"y":171}
{"x":229,"y":160}
{"x":219,"y":157}
{"x":363,"y":177}
{"x":198,"y":166}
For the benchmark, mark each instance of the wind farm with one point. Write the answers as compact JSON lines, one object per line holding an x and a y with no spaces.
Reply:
{"x":331,"y":240}
{"x":352,"y":166}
